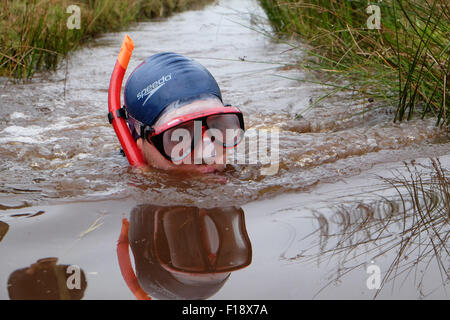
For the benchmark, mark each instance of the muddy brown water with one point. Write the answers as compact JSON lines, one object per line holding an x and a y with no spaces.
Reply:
{"x":65,"y":188}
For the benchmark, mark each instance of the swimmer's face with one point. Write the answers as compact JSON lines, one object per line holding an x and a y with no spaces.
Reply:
{"x":215,"y":154}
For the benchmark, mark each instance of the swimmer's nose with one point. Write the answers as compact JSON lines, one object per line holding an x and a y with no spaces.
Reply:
{"x":207,"y":153}
{"x":209,"y":150}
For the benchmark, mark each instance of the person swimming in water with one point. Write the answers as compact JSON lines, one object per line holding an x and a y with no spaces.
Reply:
{"x":177,"y":117}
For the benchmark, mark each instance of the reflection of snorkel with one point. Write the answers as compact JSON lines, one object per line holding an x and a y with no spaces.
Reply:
{"x":123,"y":254}
{"x":117,"y":115}
{"x":182,"y":252}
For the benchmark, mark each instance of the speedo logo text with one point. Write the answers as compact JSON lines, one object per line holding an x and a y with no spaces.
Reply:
{"x":152,"y":88}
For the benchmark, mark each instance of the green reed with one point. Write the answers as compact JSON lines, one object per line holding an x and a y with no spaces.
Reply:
{"x":34,"y":34}
{"x":405,"y":63}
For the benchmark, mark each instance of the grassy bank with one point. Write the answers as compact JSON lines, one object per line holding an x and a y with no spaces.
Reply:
{"x":34,"y":33}
{"x":406,"y":62}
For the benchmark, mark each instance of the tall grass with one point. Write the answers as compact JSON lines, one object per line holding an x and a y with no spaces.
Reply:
{"x":34,"y":33}
{"x":405,"y":63}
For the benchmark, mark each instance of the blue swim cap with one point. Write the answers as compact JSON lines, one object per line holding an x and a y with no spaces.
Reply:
{"x":162,"y":79}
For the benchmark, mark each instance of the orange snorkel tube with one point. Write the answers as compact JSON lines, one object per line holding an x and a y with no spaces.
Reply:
{"x":117,"y":115}
{"x":123,"y":255}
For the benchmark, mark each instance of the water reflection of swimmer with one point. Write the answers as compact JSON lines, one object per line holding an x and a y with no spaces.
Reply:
{"x":45,"y":280}
{"x":182,"y":252}
{"x":4,"y":227}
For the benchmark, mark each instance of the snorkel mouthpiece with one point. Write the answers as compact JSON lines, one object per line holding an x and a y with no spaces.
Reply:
{"x":117,"y":116}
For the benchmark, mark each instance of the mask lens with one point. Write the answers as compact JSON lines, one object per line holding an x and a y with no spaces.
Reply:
{"x":229,"y":127}
{"x":177,"y":141}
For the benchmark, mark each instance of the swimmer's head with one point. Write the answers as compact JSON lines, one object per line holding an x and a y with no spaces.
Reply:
{"x":177,"y":116}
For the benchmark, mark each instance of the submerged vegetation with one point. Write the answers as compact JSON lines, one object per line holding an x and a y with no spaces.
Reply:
{"x":34,"y":34}
{"x":395,"y":51}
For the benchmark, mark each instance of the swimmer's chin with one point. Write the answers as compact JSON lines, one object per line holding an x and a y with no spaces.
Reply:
{"x":204,"y":168}
{"x":212,"y":169}
{"x":188,"y":168}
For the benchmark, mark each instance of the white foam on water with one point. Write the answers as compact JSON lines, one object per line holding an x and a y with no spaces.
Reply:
{"x":18,"y":115}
